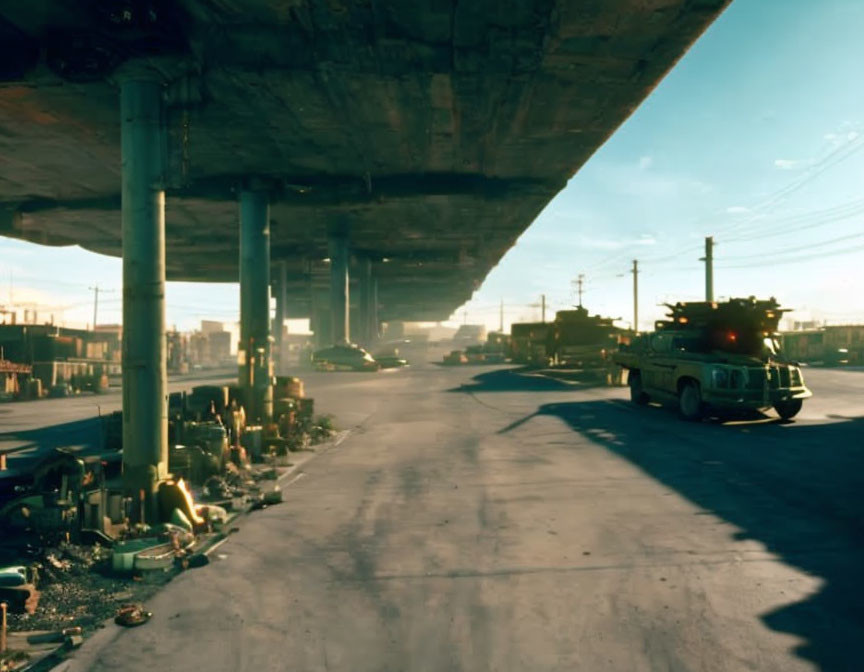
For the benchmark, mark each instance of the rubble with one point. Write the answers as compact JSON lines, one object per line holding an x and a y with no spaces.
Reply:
{"x":76,"y":558}
{"x":13,"y":660}
{"x":132,"y":615}
{"x":322,"y":429}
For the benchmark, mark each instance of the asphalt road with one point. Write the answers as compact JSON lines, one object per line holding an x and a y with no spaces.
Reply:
{"x":477,"y":519}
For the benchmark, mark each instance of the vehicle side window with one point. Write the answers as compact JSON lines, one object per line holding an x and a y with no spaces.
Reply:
{"x":685,"y":344}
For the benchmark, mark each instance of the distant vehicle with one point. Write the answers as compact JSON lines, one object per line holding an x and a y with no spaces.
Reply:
{"x":470,"y":334}
{"x":391,"y":361}
{"x":344,"y":358}
{"x":475,"y":354}
{"x":715,"y":356}
{"x":60,"y":391}
{"x":582,"y":341}
{"x":455,"y":357}
{"x":388,"y":358}
{"x":529,"y":343}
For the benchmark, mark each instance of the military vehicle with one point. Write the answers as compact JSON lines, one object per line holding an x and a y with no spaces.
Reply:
{"x":715,"y":357}
{"x":529,"y":342}
{"x":580,"y":340}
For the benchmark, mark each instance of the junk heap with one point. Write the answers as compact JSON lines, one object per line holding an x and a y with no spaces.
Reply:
{"x":69,"y":556}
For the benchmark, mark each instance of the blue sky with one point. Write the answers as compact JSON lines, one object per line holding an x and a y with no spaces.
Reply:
{"x":756,"y":137}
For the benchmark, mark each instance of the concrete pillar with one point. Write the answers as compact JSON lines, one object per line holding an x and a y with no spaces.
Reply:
{"x":256,"y":367}
{"x":339,"y":297}
{"x":364,"y":312}
{"x":374,"y":323}
{"x":145,"y":389}
{"x":281,"y":291}
{"x":320,"y":318}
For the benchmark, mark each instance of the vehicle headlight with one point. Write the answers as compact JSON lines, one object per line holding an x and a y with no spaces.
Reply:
{"x":719,"y":377}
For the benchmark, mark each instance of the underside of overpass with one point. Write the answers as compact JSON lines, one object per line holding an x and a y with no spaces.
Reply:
{"x":434,"y":131}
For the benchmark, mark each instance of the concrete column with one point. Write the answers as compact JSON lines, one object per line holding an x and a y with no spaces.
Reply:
{"x":339,"y":298}
{"x":364,"y":313}
{"x":145,"y":389}
{"x":281,"y":291}
{"x":374,"y":323}
{"x":320,"y":319}
{"x":256,"y":367}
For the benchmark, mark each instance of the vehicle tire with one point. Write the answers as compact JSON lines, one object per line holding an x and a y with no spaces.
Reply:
{"x":637,"y":394}
{"x":690,"y":401}
{"x":788,"y":409}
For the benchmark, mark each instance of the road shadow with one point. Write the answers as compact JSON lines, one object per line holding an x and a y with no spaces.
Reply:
{"x":25,"y":448}
{"x":522,"y":379}
{"x":796,"y":488}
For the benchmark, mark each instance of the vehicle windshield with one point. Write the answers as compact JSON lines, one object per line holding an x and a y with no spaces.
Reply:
{"x":747,"y":343}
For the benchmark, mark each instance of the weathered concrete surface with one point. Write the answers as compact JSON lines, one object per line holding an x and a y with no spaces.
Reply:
{"x":521,"y":524}
{"x":437,"y":129}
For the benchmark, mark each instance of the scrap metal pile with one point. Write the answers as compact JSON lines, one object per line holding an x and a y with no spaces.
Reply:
{"x":71,"y":555}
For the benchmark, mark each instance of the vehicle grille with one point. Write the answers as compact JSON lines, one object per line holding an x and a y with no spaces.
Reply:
{"x":755,"y":378}
{"x":777,"y":377}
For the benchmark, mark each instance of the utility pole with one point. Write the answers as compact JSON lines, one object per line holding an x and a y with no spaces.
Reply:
{"x":635,"y":273}
{"x":96,"y":289}
{"x":709,"y":268}
{"x":543,"y":308}
{"x":501,"y":317}
{"x":579,"y":280}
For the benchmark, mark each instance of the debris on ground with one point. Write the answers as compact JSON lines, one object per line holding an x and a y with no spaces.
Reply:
{"x":322,"y":429}
{"x":131,"y":615}
{"x":71,"y":554}
{"x":12,"y":660}
{"x":57,"y":636}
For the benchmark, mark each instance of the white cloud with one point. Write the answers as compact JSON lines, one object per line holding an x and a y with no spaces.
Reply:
{"x":791,"y":164}
{"x":645,"y":162}
{"x":737,"y":210}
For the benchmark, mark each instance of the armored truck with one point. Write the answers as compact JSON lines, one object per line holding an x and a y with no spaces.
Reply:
{"x":581,"y":340}
{"x":717,"y":357}
{"x":529,"y":343}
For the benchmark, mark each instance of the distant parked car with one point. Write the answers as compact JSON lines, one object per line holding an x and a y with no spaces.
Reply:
{"x":344,"y":358}
{"x":390,"y":360}
{"x":455,"y":357}
{"x":60,"y":391}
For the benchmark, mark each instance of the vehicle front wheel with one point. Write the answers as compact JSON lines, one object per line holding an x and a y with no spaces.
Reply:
{"x":690,"y":401}
{"x":789,"y":408}
{"x":637,"y":394}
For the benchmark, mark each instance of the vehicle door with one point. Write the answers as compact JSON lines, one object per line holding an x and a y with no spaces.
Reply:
{"x":659,"y":370}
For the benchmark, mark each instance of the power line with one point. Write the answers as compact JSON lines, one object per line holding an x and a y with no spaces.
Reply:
{"x":766,"y":260}
{"x":834,"y":157}
{"x":798,"y":248}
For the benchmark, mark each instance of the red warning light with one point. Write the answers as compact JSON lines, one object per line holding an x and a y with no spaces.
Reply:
{"x":733,"y":336}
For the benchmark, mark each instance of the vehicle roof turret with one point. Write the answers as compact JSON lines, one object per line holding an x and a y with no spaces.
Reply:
{"x":581,"y":315}
{"x":750,"y":314}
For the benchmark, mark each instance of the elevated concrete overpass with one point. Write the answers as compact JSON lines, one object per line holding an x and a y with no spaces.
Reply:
{"x":407,"y":144}
{"x":436,"y":131}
